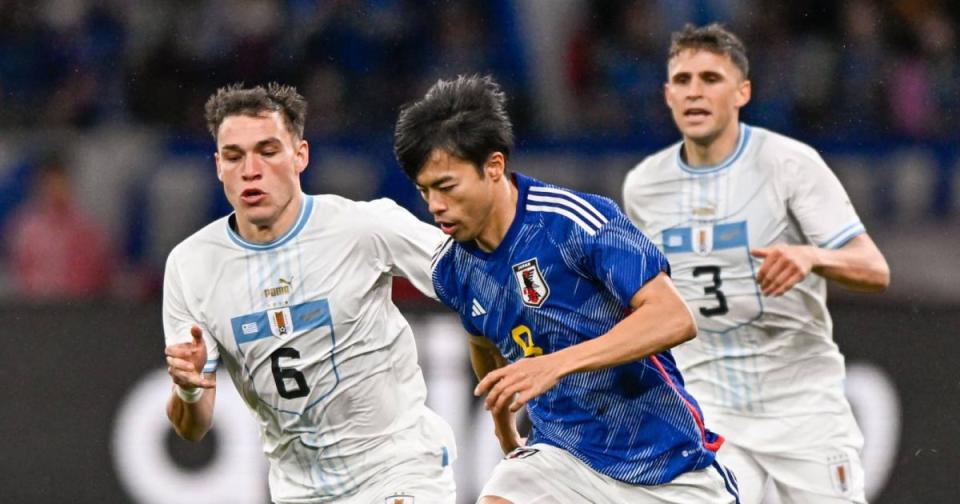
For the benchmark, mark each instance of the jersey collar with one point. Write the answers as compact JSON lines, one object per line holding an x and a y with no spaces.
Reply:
{"x":742,"y":141}
{"x":306,"y":209}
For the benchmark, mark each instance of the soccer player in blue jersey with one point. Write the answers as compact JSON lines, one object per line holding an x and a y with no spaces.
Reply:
{"x":570,"y":312}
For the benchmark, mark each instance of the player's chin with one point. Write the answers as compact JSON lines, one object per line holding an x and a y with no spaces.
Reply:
{"x":259,"y":216}
{"x":699,"y":131}
{"x":463,"y":234}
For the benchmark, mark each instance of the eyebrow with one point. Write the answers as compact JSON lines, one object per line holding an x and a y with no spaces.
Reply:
{"x":435,"y":183}
{"x":259,"y":145}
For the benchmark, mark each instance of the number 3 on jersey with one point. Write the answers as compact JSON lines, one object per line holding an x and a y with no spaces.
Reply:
{"x":714,"y":289}
{"x":714,"y":273}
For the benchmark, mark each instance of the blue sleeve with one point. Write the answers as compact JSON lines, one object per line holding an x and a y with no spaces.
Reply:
{"x":621,"y":257}
{"x":444,"y":283}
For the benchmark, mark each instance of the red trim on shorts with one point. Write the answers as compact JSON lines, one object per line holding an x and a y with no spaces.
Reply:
{"x":714,"y":446}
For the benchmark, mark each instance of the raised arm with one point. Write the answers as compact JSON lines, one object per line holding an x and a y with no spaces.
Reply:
{"x":190,"y":407}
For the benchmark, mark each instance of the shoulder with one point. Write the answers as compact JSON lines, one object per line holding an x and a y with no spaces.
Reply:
{"x":199,"y":253}
{"x":444,"y":260}
{"x":365,"y":217}
{"x":652,"y":165}
{"x":445,"y":269}
{"x":566,"y":210}
{"x":211,"y":234}
{"x":784,"y":150}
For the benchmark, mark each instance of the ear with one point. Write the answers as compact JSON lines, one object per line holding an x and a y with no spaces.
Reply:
{"x":216,"y":159}
{"x":744,"y":92}
{"x":666,"y":95}
{"x":495,"y":166}
{"x":301,"y":156}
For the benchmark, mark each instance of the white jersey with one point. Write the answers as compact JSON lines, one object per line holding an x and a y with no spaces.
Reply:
{"x":307,"y":330}
{"x":754,"y":356}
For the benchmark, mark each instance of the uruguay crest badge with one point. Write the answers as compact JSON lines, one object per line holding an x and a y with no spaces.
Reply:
{"x":533,"y":288}
{"x":703,"y":239}
{"x":281,"y":322}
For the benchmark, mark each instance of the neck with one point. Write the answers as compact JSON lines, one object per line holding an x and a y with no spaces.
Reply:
{"x":267,"y":232}
{"x":503,"y":211}
{"x":711,"y":151}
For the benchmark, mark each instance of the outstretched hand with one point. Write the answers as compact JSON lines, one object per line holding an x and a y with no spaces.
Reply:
{"x":783,"y":267}
{"x":527,"y":378}
{"x":185,"y":362}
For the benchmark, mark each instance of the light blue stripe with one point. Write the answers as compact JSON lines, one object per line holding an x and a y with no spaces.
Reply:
{"x":725,"y":236}
{"x":305,"y":210}
{"x":683,"y":246}
{"x":840,"y":239}
{"x":211,"y":366}
{"x":305,"y":316}
{"x":745,"y":132}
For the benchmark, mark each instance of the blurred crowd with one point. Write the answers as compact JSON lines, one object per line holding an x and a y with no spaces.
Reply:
{"x":821,"y":68}
{"x":864,"y":72}
{"x":78,"y":63}
{"x":856,"y":69}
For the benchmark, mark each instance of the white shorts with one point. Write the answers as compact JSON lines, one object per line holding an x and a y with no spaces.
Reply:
{"x":542,"y":473}
{"x":409,"y":484}
{"x":811,"y":459}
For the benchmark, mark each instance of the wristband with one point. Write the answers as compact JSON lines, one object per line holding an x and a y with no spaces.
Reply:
{"x":188,"y":396}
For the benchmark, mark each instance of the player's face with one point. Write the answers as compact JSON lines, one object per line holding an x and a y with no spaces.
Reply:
{"x":460,"y":200}
{"x":259,"y":162}
{"x":705,"y":92}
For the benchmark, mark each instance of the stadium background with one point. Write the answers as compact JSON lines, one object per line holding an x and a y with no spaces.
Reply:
{"x":114,"y":90}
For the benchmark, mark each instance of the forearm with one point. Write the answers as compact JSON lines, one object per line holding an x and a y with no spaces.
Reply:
{"x":191,"y":421}
{"x":484,"y":357}
{"x":857,"y":266}
{"x":648,"y":331}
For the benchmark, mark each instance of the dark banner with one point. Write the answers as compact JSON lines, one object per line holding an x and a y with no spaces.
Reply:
{"x":84,"y":388}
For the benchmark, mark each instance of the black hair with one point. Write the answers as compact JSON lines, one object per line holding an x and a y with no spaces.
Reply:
{"x":465,"y":117}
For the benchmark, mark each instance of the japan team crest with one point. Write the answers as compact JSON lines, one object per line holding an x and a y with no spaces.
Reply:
{"x":533,"y":288}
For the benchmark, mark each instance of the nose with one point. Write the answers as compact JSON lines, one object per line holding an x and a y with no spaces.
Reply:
{"x":436,"y":203}
{"x":251,"y":169}
{"x":695,"y":89}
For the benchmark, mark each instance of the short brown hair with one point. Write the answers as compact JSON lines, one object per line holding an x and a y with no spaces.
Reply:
{"x":237,"y":100}
{"x":714,"y":38}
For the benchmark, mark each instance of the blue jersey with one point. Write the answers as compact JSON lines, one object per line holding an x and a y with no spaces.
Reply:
{"x":565,"y":273}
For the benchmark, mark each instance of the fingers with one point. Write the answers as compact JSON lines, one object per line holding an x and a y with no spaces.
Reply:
{"x":772,"y":269}
{"x":780,"y":271}
{"x":197,"y":335}
{"x":499,"y":386}
{"x":488,"y":381}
